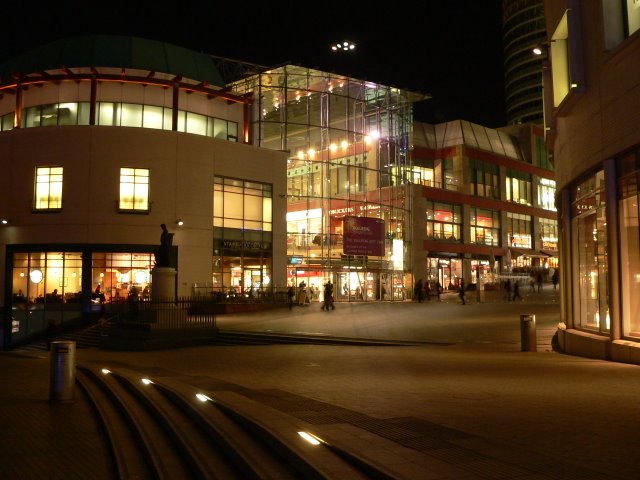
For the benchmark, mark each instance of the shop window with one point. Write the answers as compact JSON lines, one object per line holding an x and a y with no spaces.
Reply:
{"x":629,"y":215}
{"x":589,"y":236}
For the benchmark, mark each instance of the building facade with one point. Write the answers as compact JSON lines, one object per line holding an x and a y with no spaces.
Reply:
{"x":102,"y":140}
{"x":594,"y":85}
{"x":484,"y":207}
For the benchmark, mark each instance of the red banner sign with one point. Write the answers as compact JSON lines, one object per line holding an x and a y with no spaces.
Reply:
{"x":363,"y":236}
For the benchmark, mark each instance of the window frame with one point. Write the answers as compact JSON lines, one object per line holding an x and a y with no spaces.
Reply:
{"x":133,"y":201}
{"x":36,"y":201}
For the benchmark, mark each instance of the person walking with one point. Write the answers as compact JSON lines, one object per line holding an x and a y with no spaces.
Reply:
{"x":438,"y":289}
{"x":516,"y":291}
{"x":291,"y":293}
{"x":461,"y":292}
{"x":539,"y":281}
{"x":507,"y":290}
{"x":555,"y":278}
{"x":302,"y":293}
{"x":328,"y":297}
{"x":333,"y":307}
{"x":417,"y":291}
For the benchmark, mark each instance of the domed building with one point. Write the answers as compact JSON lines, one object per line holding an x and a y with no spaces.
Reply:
{"x":102,"y":140}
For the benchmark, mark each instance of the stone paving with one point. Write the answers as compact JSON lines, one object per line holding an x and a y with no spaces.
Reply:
{"x":468,"y":404}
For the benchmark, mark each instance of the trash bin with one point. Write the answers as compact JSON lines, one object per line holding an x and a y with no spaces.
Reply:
{"x":62,"y":359}
{"x":528,"y":333}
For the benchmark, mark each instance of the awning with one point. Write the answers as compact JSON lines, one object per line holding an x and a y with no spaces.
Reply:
{"x":549,"y":253}
{"x":516,"y":252}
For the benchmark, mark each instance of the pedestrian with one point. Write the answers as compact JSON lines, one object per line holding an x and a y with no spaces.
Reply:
{"x":516,"y":291}
{"x":507,"y":290}
{"x":291,"y":293}
{"x":417,"y":290}
{"x":302,"y":293}
{"x":539,"y":281}
{"x":461,"y":292}
{"x":328,"y":297}
{"x":333,"y":307}
{"x":532,"y":284}
{"x":555,"y":278}
{"x":438,"y":289}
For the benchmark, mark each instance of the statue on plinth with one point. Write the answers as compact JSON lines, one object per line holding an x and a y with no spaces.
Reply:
{"x":163,"y":253}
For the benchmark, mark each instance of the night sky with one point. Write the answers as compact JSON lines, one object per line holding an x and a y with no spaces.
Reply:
{"x":449,"y":49}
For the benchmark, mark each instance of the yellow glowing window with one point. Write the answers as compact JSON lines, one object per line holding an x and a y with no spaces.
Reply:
{"x":134,"y":189}
{"x":48,"y":188}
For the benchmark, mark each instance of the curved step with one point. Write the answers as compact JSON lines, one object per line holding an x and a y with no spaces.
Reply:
{"x":223,"y":435}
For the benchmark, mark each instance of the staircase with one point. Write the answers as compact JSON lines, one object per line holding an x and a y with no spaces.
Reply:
{"x":166,"y":428}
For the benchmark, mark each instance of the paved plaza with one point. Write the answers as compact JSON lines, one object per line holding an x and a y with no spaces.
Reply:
{"x":500,"y":412}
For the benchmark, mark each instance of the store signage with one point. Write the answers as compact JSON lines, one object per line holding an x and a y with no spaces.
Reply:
{"x":295,"y":260}
{"x":363,"y":236}
{"x":354,"y":209}
{"x":247,"y":245}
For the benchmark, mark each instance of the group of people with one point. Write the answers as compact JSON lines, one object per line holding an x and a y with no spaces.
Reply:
{"x":423,"y":290}
{"x":512,"y":291}
{"x":300,"y":297}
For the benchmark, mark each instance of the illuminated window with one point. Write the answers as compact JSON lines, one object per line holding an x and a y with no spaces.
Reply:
{"x":519,"y":230}
{"x":48,"y":194}
{"x":621,"y":18}
{"x":485,"y":226}
{"x":547,"y":194}
{"x":518,"y":187}
{"x":241,"y":204}
{"x":567,"y":68}
{"x":484,"y":179}
{"x":134,"y":189}
{"x":444,"y":221}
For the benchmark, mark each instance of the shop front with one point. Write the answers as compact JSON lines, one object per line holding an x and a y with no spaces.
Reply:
{"x":49,"y":286}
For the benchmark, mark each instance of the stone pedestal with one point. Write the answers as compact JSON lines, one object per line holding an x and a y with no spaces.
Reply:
{"x":163,"y":283}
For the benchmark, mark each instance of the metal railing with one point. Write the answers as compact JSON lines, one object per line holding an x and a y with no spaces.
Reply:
{"x":179,"y":313}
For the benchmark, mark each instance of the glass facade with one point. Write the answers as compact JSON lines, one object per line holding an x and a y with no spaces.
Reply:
{"x":348,"y":144}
